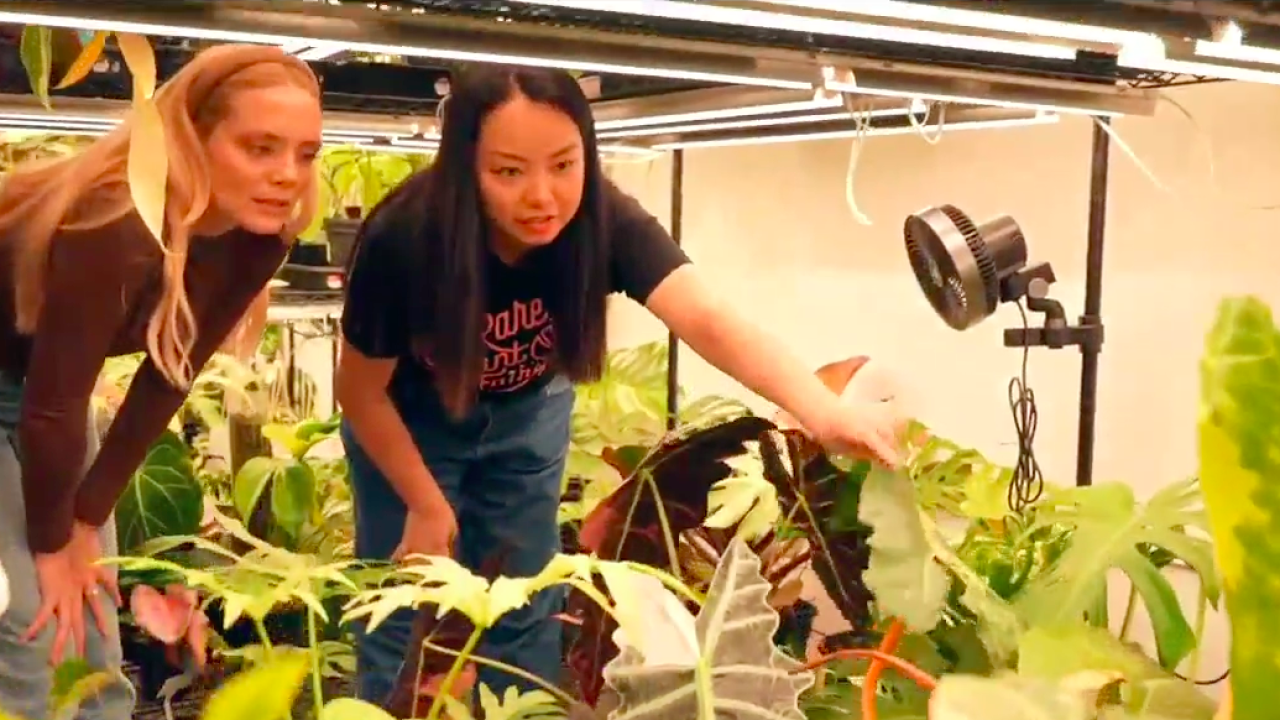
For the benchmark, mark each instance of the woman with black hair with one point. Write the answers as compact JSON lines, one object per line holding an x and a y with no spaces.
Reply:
{"x":476,"y":298}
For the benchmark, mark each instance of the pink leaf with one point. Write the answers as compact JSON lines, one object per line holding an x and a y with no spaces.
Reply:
{"x":165,"y":617}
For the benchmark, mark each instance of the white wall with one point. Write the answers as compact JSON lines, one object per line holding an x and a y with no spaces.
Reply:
{"x":769,"y":228}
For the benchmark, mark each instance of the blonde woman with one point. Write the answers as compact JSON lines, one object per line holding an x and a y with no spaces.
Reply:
{"x":87,"y":281}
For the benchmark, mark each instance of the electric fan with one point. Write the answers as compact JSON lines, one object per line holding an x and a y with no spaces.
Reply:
{"x":966,"y":270}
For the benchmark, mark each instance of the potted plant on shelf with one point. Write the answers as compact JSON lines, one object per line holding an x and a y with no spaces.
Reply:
{"x":355,"y":179}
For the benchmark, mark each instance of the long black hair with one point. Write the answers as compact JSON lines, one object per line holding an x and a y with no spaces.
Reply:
{"x":441,"y":210}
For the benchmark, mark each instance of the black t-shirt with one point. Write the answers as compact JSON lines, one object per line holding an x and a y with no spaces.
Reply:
{"x":519,"y":335}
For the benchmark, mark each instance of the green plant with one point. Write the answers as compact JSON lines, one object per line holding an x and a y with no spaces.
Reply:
{"x":1239,"y":433}
{"x":355,"y":179}
{"x":626,"y":408}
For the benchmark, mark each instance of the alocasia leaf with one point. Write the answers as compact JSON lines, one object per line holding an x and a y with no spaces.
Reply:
{"x":1239,"y":443}
{"x":738,"y":667}
{"x":664,"y":496}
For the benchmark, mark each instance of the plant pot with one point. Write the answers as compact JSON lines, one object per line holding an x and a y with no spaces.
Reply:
{"x":341,"y":233}
{"x":308,"y":268}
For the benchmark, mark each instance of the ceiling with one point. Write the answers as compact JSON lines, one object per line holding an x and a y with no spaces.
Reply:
{"x":697,"y":57}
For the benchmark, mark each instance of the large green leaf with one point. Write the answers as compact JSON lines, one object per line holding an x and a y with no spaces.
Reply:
{"x":968,"y":697}
{"x":903,"y":572}
{"x":739,"y":672}
{"x":1239,"y":442}
{"x":267,"y":691}
{"x":163,"y":497}
{"x":1110,"y":529}
{"x":289,"y":483}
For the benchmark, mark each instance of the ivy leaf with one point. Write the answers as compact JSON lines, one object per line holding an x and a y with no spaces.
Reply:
{"x":902,"y":573}
{"x":738,"y":666}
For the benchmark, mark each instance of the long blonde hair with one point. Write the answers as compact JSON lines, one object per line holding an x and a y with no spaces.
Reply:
{"x":90,"y":190}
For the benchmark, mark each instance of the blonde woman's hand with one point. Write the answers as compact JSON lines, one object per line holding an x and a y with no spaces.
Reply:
{"x":62,"y":592}
{"x":87,"y":551}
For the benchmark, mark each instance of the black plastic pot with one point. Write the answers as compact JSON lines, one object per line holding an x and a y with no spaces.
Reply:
{"x":341,"y":233}
{"x":308,"y":268}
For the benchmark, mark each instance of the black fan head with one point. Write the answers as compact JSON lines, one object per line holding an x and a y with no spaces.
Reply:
{"x":960,"y":264}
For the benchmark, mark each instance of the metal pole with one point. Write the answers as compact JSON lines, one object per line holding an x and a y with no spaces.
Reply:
{"x":673,"y":343}
{"x":1093,"y":300}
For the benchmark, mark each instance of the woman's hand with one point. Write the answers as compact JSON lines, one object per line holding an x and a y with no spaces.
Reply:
{"x":428,"y":532}
{"x":67,"y":579}
{"x":868,"y":430}
{"x":87,"y":548}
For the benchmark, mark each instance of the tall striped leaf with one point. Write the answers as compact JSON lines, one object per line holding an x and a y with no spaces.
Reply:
{"x":739,"y":672}
{"x":1239,"y":439}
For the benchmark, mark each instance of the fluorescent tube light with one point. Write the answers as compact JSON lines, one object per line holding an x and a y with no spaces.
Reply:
{"x":697,"y":12}
{"x":820,"y":101}
{"x":847,"y":82}
{"x":1040,"y":119}
{"x":750,"y":123}
{"x":237,"y":36}
{"x":1137,"y":50}
{"x":978,"y":20}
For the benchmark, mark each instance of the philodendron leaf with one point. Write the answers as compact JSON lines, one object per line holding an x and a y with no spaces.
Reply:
{"x":265,"y":691}
{"x":739,"y":672}
{"x":1239,"y":439}
{"x":164,"y":497}
{"x":1109,"y":527}
{"x":970,"y":697}
{"x":903,"y":571}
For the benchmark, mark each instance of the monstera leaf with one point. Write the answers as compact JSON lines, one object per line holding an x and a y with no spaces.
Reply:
{"x":164,"y":497}
{"x":1110,"y":530}
{"x":737,"y":671}
{"x":1239,"y":442}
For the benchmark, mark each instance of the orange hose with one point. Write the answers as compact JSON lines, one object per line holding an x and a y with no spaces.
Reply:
{"x":871,"y":682}
{"x":921,"y":678}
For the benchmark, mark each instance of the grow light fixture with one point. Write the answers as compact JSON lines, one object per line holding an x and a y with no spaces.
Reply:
{"x":215,"y":24}
{"x":908,"y":129}
{"x":1065,"y":97}
{"x":1135,"y":49}
{"x":708,"y":13}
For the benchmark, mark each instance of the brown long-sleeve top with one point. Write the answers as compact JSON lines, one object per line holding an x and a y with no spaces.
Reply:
{"x":101,"y":287}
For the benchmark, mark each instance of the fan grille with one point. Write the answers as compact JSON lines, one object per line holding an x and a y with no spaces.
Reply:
{"x":951,"y":262}
{"x":977,"y":246}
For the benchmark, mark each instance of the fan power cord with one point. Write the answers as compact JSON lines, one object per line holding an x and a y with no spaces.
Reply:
{"x":1027,"y":484}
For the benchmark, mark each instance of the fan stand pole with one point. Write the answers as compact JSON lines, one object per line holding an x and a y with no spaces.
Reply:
{"x":673,"y":343}
{"x":1099,"y":168}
